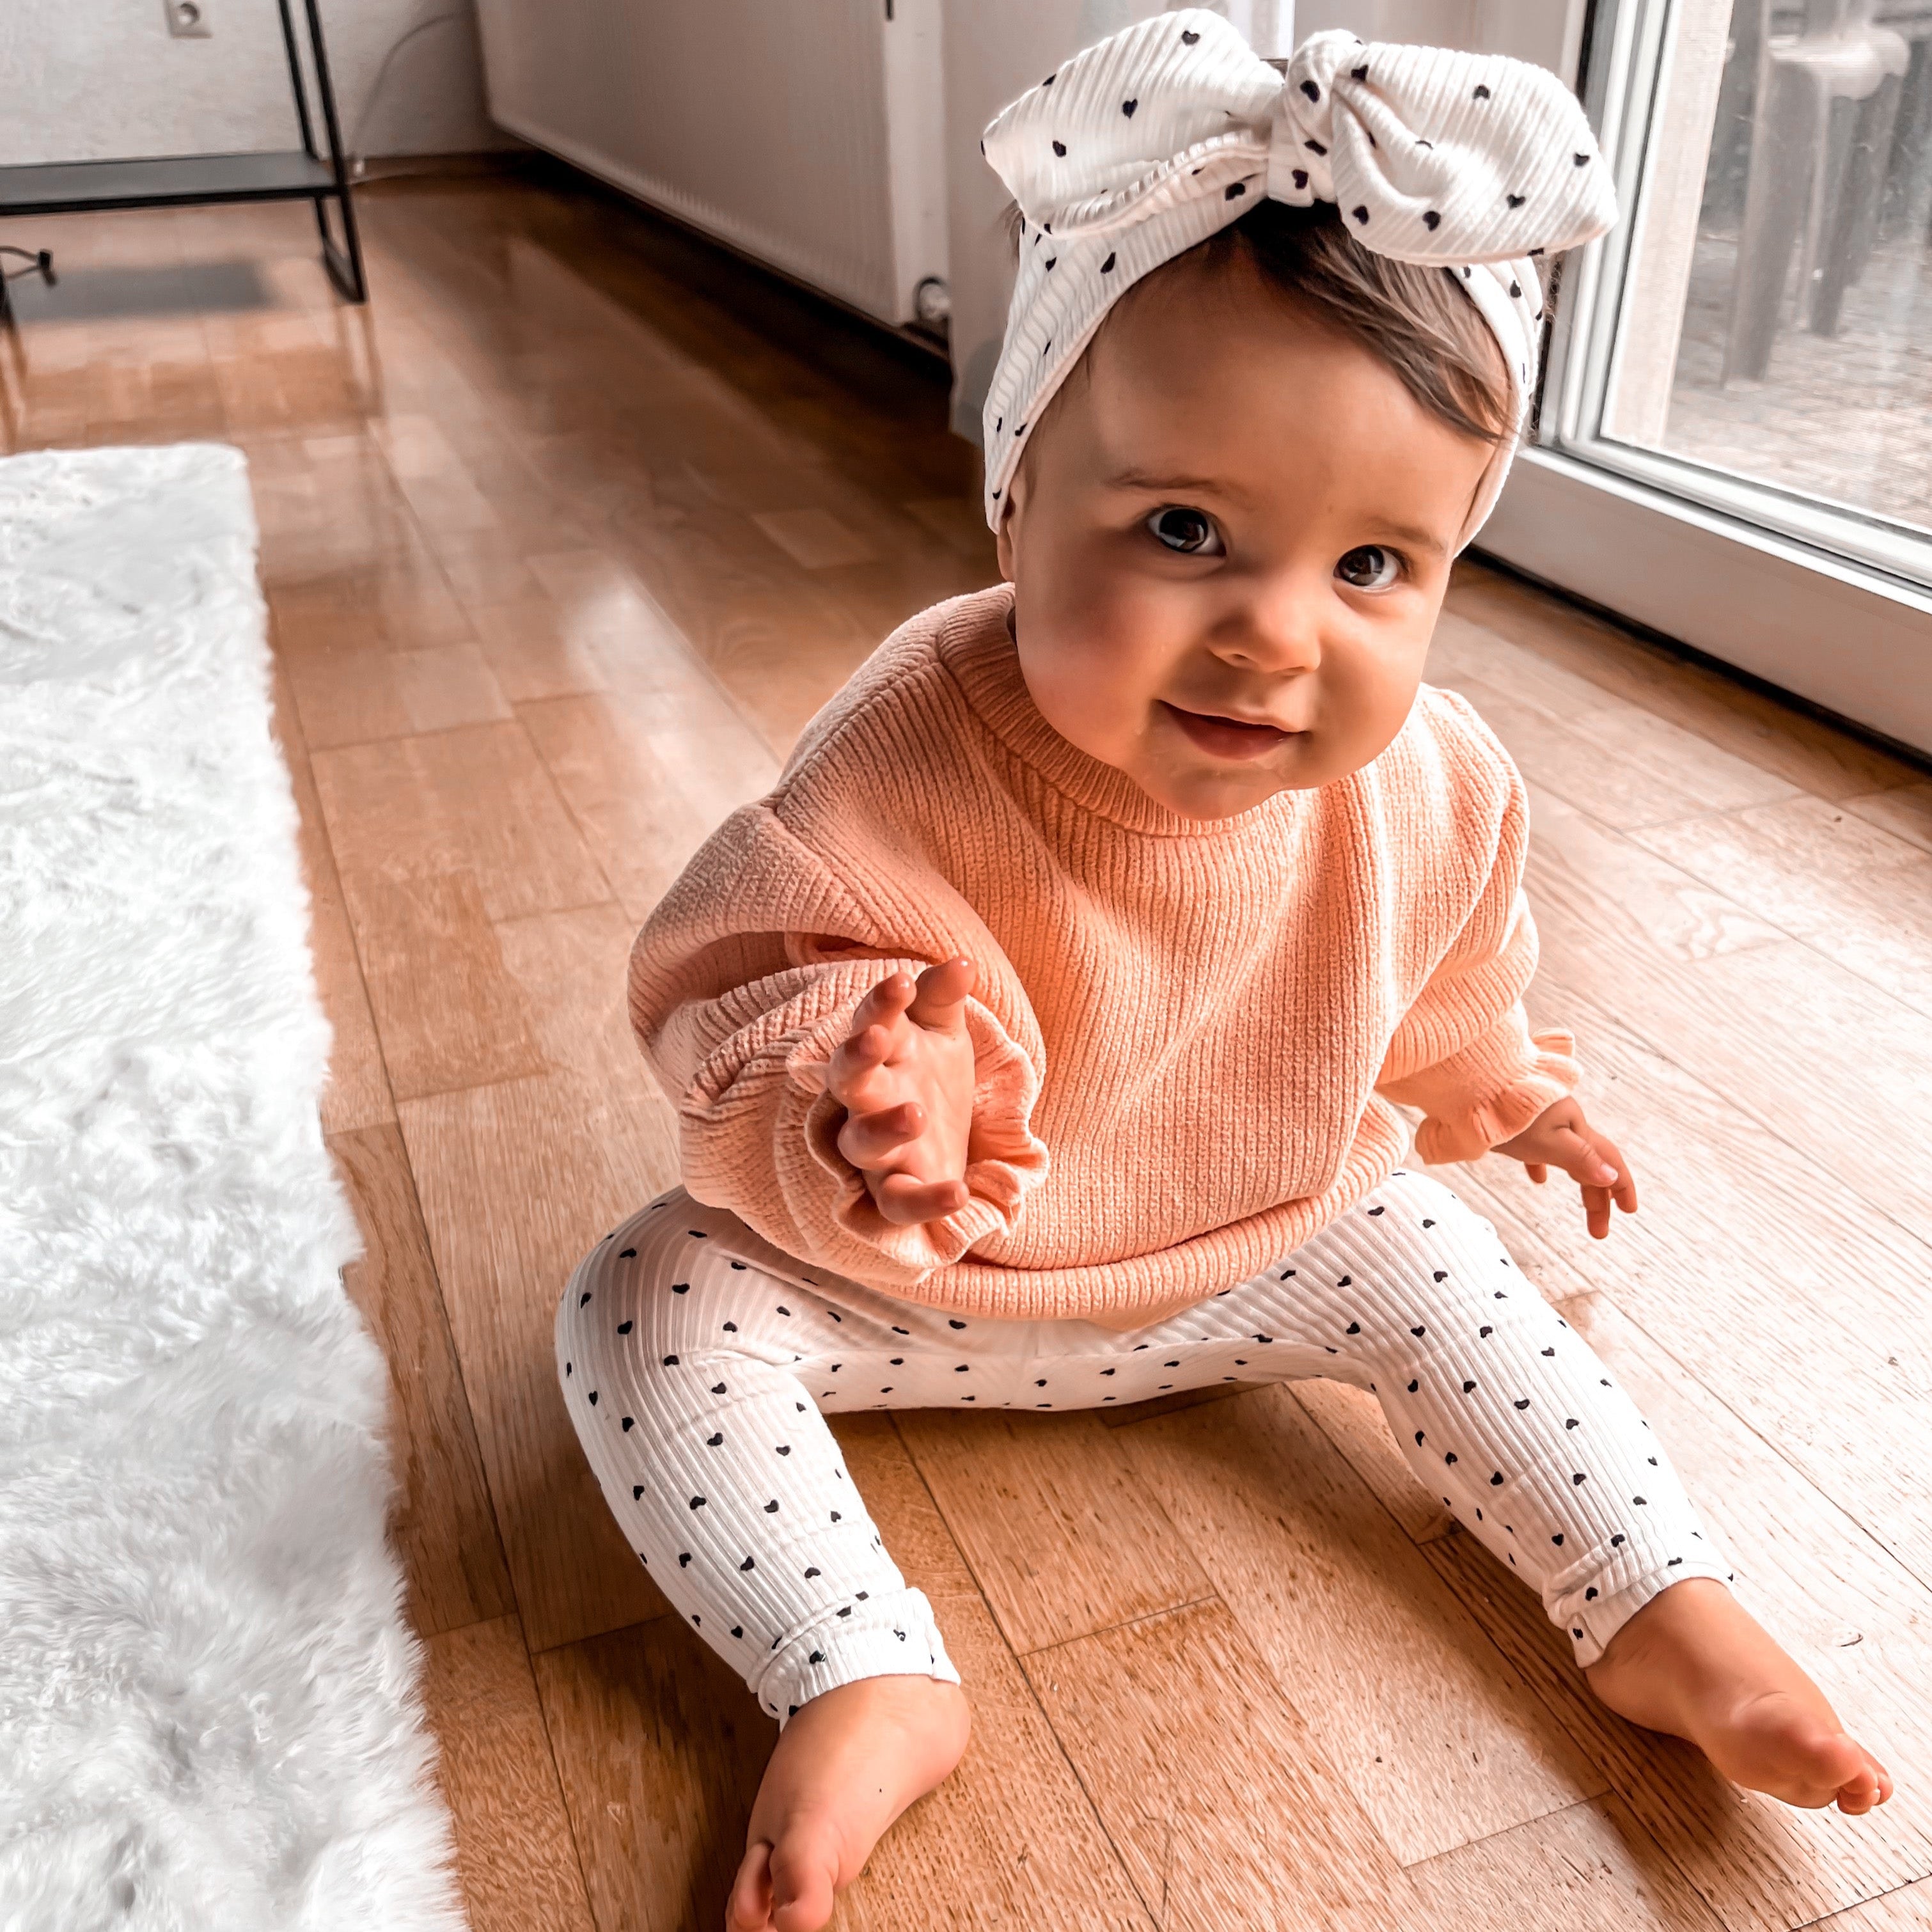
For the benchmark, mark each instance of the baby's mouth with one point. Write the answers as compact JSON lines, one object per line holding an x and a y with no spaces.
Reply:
{"x":1225,"y":737}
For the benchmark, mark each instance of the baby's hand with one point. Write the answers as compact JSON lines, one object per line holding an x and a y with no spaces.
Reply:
{"x":1560,"y":1137}
{"x":905,"y":1076}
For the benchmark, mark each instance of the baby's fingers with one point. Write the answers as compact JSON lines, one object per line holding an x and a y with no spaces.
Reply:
{"x":854,"y":1060}
{"x":907,"y":1203}
{"x":942,"y":991}
{"x":884,"y":1003}
{"x":868,"y":1140}
{"x":1623,"y":1192}
{"x":1597,"y":1211}
{"x":1579,"y":1160}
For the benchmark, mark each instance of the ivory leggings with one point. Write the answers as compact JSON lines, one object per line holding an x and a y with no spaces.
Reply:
{"x":698,"y":1363}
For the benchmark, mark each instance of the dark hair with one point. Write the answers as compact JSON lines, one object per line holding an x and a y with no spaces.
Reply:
{"x":1414,"y":320}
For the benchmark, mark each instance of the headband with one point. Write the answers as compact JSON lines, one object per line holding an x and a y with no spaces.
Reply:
{"x":1156,"y":138}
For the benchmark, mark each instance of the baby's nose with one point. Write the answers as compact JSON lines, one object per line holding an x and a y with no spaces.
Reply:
{"x":1276,"y":633}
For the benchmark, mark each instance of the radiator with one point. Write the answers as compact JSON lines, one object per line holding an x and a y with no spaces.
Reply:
{"x":808,"y":133}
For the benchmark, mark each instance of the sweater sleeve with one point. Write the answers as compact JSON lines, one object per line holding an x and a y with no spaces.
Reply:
{"x":1463,"y":1053}
{"x":747,"y":976}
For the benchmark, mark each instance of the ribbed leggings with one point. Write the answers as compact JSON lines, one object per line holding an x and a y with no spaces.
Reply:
{"x":698,"y":1362}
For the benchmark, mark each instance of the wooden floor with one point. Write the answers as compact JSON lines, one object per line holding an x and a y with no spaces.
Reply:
{"x":564,"y":539}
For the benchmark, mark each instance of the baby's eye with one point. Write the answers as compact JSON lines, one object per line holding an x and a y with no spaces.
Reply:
{"x":1369,"y":567}
{"x":1191,"y":532}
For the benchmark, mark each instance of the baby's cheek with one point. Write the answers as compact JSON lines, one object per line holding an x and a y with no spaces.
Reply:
{"x":1372,"y":678}
{"x":1090,"y":683}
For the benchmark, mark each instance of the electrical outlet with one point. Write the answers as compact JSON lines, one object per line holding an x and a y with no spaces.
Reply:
{"x":187,"y":19}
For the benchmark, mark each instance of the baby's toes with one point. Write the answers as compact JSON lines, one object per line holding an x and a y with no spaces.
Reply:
{"x":1868,"y":1788}
{"x":804,"y":1871}
{"x":749,"y":1907}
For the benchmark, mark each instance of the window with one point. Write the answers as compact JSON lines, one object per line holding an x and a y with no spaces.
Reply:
{"x":1749,"y":353}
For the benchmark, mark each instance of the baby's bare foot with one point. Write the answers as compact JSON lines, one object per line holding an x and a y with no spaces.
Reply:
{"x":1694,"y":1662}
{"x":843,"y":1768}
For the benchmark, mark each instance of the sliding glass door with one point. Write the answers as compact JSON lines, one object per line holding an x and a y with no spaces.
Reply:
{"x":1750,"y":354}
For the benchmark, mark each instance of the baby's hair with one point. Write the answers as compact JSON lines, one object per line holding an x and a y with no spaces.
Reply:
{"x":1415,"y":320}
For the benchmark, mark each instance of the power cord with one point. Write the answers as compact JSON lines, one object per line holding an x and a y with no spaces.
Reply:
{"x":357,"y":160}
{"x":40,"y":261}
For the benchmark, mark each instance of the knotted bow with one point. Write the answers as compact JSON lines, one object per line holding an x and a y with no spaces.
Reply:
{"x":1150,"y":142}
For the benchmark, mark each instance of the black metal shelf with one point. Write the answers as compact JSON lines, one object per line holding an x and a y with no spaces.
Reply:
{"x":306,"y":173}
{"x":71,"y":187}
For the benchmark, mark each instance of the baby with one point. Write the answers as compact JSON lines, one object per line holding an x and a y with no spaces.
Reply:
{"x":1037,"y":1043}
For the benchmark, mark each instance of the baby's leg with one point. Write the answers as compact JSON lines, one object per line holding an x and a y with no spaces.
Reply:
{"x":678,"y":1355}
{"x":1510,"y":1417}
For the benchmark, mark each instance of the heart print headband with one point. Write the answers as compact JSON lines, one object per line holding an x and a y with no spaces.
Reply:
{"x":1156,"y":138}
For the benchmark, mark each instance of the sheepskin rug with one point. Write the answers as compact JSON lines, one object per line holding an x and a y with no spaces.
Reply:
{"x":208,"y":1711}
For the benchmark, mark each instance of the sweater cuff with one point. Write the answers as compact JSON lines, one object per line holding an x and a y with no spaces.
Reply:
{"x":1005,"y":1160}
{"x":1471,"y":1131}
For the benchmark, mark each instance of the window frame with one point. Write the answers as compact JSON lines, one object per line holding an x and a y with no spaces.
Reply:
{"x":1750,"y":572}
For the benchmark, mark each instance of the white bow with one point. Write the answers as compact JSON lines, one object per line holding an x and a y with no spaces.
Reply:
{"x":1434,"y":155}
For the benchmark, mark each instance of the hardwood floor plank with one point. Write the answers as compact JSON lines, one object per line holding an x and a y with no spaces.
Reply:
{"x":1802,"y":1307}
{"x":518,"y":1180}
{"x":514,"y":1192}
{"x":1439,"y":1739}
{"x":644,"y":796}
{"x":959,"y":524}
{"x":1213,"y":1788}
{"x":1747,"y":724}
{"x":448,"y":1013}
{"x":477,"y":799}
{"x":1047,"y":1512}
{"x":358,"y":1092}
{"x":1848,"y":888}
{"x":571,"y":968}
{"x":813,"y":538}
{"x":777,"y":641}
{"x":350,"y":696}
{"x":1906,"y":812}
{"x":1011,"y":1839}
{"x":442,"y":1522}
{"x":1761,"y":1025}
{"x":514,"y":1852}
{"x":661,"y":1748}
{"x":1591,"y":1868}
{"x":1626,"y":765}
{"x":1907,"y":1909}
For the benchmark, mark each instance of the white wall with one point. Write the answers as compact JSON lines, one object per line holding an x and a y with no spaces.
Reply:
{"x":996,"y":49}
{"x":93,"y":80}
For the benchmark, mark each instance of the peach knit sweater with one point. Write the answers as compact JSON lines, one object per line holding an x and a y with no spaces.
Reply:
{"x":1188,"y":1033}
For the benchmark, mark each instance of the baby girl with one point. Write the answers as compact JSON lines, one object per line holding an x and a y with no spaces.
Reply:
{"x":1039,"y":1042}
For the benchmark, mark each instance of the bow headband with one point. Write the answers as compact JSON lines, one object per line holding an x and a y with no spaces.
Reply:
{"x":1157,"y":137}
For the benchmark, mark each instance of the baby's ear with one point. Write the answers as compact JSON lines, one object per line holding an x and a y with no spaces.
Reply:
{"x":1003,"y":531}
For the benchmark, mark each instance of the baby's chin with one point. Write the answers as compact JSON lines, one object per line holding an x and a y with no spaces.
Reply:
{"x":1209,"y":788}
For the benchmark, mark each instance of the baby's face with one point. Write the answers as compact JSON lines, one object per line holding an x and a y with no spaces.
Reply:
{"x":1228,"y":547}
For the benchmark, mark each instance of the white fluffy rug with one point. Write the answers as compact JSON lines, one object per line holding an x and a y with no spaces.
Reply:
{"x":208,"y":1716}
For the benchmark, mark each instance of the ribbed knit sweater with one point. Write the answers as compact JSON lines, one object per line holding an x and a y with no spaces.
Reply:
{"x":1188,"y":1032}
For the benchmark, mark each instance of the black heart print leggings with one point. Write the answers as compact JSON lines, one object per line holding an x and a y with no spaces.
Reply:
{"x":698,"y":1363}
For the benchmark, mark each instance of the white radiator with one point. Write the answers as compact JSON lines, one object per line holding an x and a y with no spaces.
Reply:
{"x":809,"y":133}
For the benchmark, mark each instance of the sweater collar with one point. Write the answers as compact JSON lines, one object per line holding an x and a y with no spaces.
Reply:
{"x":976,"y":644}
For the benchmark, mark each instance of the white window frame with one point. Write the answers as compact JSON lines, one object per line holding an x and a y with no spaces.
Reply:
{"x":1827,"y":601}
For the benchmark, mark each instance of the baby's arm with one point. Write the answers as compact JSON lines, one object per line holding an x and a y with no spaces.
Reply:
{"x":1463,"y":1052}
{"x":905,"y":1075}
